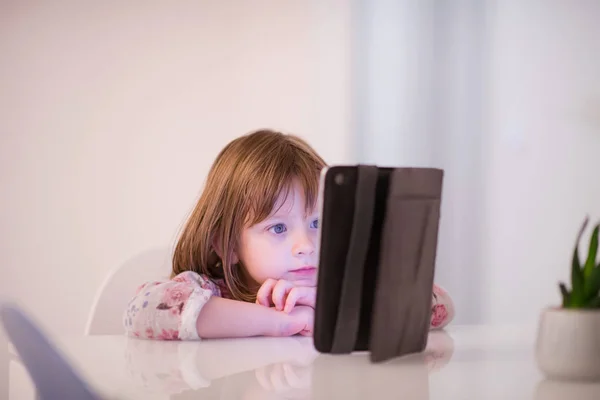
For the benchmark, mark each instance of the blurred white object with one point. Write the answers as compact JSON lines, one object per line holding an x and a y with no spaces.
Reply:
{"x":52,"y":376}
{"x":568,"y":344}
{"x":119,"y":287}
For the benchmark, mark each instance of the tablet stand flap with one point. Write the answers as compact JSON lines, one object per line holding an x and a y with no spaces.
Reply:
{"x":402,"y":307}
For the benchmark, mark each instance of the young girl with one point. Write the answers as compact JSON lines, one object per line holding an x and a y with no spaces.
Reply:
{"x":246,"y":261}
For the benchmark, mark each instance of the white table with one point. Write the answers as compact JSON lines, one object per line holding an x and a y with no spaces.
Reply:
{"x":461,"y":363}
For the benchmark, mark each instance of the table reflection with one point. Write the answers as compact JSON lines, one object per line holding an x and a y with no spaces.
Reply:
{"x":276,"y":368}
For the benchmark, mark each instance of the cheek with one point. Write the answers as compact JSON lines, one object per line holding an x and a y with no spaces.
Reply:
{"x":315,"y":239}
{"x":254,"y":265}
{"x":261,"y":259}
{"x":252,"y":256}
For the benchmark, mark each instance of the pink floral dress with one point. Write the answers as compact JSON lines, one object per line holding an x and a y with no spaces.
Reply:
{"x":168,"y":310}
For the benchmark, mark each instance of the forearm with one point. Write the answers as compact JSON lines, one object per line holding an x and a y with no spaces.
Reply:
{"x":225,"y":318}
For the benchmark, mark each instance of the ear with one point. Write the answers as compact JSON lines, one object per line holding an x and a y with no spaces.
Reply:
{"x":219,"y":250}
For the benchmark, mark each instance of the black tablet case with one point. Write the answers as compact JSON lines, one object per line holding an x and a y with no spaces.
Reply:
{"x":378,"y":243}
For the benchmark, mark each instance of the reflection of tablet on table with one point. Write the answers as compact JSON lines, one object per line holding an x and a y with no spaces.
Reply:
{"x":378,"y":241}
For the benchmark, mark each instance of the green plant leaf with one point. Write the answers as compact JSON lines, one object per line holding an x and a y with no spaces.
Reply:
{"x":577,"y":295}
{"x":594,"y":303}
{"x":565,"y":295}
{"x":591,"y":285}
{"x":590,"y":263}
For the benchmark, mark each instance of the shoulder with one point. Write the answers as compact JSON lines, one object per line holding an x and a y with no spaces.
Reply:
{"x":196,"y":279}
{"x":186,"y":279}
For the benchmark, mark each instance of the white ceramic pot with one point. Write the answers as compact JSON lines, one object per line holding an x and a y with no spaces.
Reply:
{"x":568,"y":344}
{"x":572,"y":390}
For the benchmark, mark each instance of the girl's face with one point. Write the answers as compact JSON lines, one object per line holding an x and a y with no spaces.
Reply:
{"x":283,"y":246}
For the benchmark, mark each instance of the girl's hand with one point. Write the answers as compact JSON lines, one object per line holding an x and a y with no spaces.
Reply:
{"x":300,"y":295}
{"x":273,"y":292}
{"x":299,"y":321}
{"x":283,"y":295}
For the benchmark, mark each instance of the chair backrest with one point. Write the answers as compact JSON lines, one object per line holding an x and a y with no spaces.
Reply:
{"x":119,"y":287}
{"x":51,"y":374}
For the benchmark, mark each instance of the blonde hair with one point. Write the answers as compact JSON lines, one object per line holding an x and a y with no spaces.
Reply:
{"x":241,"y":190}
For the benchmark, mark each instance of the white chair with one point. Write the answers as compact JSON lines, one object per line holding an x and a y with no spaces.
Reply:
{"x":119,"y":287}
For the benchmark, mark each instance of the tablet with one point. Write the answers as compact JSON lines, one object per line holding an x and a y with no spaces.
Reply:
{"x":378,"y":237}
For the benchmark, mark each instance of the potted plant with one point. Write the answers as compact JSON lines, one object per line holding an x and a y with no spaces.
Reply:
{"x":568,"y":339}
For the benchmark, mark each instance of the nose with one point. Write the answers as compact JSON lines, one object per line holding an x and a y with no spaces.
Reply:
{"x":304,"y":244}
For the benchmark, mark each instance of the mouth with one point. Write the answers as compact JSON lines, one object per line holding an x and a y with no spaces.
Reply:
{"x":307,"y":270}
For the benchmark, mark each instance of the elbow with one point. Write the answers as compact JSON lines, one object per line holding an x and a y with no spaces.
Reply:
{"x":443,"y":311}
{"x":130,"y":320}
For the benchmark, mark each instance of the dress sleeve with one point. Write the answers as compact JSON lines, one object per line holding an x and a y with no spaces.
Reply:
{"x":442,"y":311}
{"x":168,"y":310}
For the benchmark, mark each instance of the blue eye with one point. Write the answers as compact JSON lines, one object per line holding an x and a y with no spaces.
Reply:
{"x":315,"y":224}
{"x":278,"y":229}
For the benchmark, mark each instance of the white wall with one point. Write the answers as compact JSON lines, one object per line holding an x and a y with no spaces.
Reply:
{"x":393,"y":67}
{"x":541,"y":150}
{"x":111,"y":114}
{"x":505,"y":96}
{"x":419,"y":104}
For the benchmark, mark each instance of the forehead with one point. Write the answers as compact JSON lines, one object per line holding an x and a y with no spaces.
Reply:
{"x":292,"y":200}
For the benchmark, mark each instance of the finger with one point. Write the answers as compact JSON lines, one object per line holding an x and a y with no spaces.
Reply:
{"x":263,"y":296}
{"x":278,"y":381}
{"x":310,"y":323}
{"x":280,"y":291}
{"x":261,"y":377}
{"x":305,"y":296}
{"x":293,"y":297}
{"x":292,"y":377}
